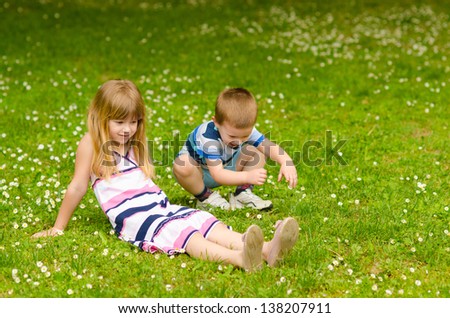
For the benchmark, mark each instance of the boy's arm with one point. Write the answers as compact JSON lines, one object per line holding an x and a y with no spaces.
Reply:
{"x":228,"y":177}
{"x":76,"y":189}
{"x":277,"y":154}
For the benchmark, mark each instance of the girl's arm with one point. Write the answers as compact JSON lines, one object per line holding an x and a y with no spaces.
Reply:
{"x":277,"y":154}
{"x":76,"y":189}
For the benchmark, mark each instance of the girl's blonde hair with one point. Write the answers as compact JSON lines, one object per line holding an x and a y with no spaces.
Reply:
{"x":237,"y":107}
{"x":115,"y":100}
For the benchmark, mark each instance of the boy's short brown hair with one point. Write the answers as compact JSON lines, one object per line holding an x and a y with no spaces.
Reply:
{"x":237,"y":107}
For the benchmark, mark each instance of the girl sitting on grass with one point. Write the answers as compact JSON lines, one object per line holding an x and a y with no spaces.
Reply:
{"x":115,"y":157}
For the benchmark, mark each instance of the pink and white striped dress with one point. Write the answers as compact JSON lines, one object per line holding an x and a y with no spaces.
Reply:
{"x":141,"y":214}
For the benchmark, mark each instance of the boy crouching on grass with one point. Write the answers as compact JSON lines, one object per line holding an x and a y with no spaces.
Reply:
{"x":229,"y":150}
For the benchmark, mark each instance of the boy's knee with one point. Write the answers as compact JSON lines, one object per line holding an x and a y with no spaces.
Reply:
{"x":252,"y":155}
{"x":183,"y":166}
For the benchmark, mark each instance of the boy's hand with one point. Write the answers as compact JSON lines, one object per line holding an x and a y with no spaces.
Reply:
{"x":289,"y":172}
{"x":50,"y":232}
{"x":256,"y":176}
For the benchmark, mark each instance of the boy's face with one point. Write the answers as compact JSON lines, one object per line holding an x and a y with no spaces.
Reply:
{"x":232,"y":136}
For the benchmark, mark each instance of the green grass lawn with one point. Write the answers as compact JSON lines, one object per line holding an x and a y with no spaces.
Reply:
{"x":373,"y":212}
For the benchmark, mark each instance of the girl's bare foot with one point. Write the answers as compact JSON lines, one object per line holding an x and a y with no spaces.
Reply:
{"x":252,"y":253}
{"x":286,"y":234}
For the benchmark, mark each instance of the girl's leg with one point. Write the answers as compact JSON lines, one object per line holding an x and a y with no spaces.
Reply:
{"x":286,"y":234}
{"x":249,"y":258}
{"x":225,"y":237}
{"x":285,"y":237}
{"x":230,"y":239}
{"x":188,"y":174}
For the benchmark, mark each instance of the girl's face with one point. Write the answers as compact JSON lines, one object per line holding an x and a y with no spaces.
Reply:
{"x":122,"y":130}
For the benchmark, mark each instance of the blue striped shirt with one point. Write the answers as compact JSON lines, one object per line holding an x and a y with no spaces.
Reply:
{"x":204,"y":142}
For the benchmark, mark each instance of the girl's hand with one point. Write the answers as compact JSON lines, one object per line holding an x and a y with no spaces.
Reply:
{"x":50,"y":232}
{"x":289,"y":172}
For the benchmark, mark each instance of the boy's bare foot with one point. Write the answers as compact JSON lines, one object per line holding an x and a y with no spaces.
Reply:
{"x":252,"y":252}
{"x":286,"y":234}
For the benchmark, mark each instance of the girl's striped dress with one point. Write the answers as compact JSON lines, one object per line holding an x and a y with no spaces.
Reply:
{"x":141,"y":213}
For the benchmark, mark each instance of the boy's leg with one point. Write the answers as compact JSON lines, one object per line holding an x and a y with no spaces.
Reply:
{"x":188,"y":174}
{"x":250,"y":158}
